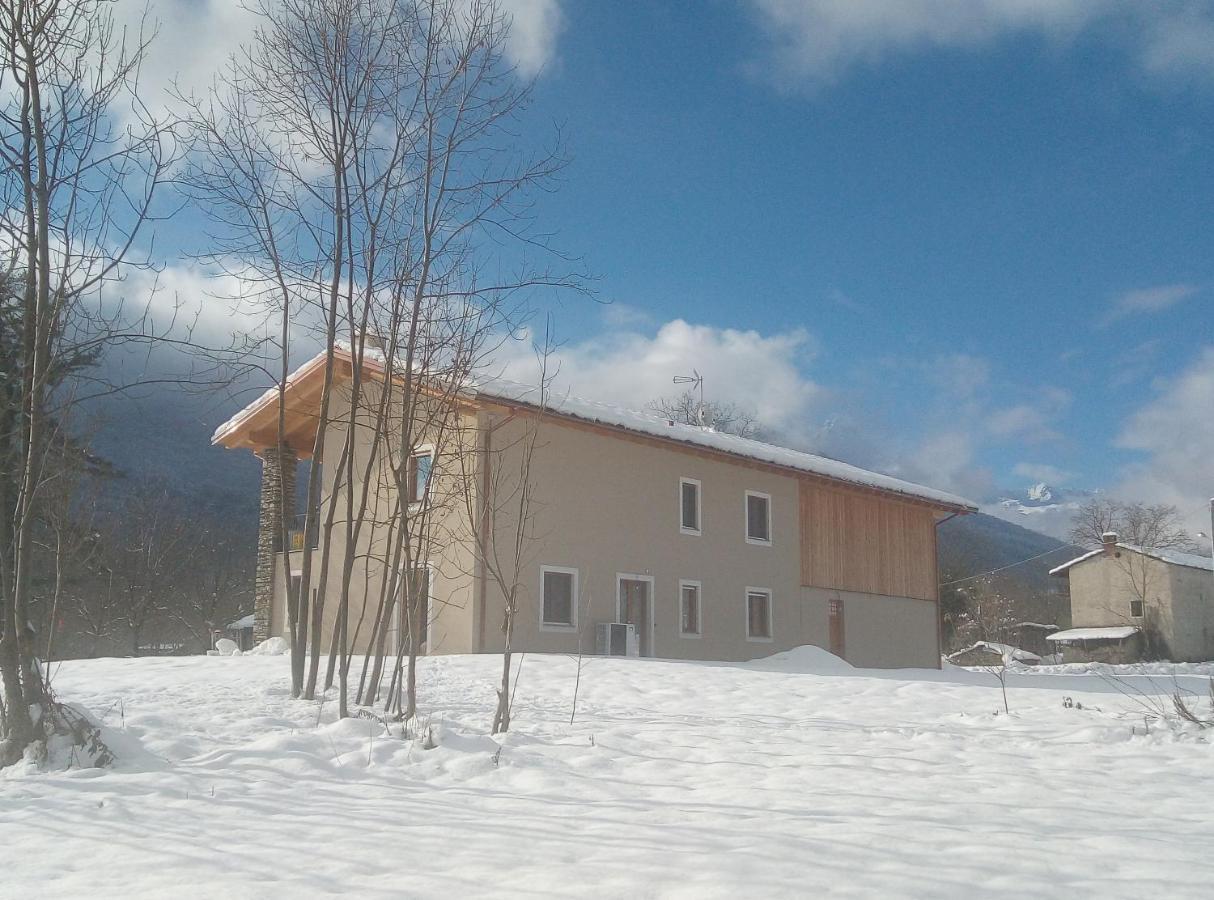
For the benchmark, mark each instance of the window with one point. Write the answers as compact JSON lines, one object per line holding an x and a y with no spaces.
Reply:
{"x":418,"y":475}
{"x":758,"y":518}
{"x":558,"y":593}
{"x":689,"y":609}
{"x":689,"y":506}
{"x":758,"y":614}
{"x":1136,"y":609}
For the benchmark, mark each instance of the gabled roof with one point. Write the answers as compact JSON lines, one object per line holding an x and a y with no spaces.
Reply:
{"x":261,"y":414}
{"x":1173,"y":557}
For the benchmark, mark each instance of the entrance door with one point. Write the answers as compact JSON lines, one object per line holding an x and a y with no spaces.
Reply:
{"x":836,"y":628}
{"x":636,"y":609}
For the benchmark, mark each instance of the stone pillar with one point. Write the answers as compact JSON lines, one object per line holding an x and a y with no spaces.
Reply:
{"x":277,"y":498}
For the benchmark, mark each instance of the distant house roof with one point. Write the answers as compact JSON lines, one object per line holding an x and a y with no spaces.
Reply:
{"x":1173,"y":557}
{"x":610,"y":415}
{"x":1006,"y":651}
{"x":1111,"y":633}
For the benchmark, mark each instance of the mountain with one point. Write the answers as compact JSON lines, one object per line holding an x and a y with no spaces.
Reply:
{"x":1040,"y":507}
{"x":979,"y":543}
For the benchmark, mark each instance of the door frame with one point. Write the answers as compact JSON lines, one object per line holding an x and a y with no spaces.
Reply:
{"x":620,"y":578}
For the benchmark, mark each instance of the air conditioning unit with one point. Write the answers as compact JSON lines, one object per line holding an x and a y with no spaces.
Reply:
{"x":617,"y":639}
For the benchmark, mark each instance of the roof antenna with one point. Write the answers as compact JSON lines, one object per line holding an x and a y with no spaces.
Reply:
{"x":696,"y":379}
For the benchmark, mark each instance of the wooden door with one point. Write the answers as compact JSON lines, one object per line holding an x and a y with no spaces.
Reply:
{"x":634,"y":609}
{"x":837,"y":646}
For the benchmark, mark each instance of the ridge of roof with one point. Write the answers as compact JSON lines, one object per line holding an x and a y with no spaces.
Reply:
{"x":649,"y":424}
{"x":1174,"y":557}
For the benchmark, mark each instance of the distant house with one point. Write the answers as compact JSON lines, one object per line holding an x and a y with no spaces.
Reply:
{"x":1130,"y":603}
{"x":710,"y":546}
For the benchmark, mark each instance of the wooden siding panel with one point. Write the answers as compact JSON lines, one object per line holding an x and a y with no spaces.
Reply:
{"x":859,"y":542}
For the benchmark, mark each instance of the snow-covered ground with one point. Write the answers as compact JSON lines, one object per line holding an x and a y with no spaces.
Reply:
{"x":791,"y":777}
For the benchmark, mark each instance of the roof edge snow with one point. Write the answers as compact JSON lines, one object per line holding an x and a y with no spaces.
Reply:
{"x":503,"y":391}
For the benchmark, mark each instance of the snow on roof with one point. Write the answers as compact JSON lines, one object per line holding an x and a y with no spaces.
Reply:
{"x":658,"y":426}
{"x":598,"y":412}
{"x":1041,"y":625}
{"x":241,"y":624}
{"x":1112,"y":633}
{"x":1174,"y":557}
{"x":1007,"y":651}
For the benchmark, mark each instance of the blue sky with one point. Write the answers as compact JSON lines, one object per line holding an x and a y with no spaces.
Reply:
{"x":942,"y":214}
{"x":964,"y":240}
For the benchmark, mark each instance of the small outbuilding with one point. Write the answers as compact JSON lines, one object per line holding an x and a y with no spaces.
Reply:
{"x":1114,"y":644}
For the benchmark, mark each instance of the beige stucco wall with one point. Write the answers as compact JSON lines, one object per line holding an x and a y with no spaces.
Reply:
{"x":1192,"y":593}
{"x":609,"y":506}
{"x":881,"y":632}
{"x":450,"y":562}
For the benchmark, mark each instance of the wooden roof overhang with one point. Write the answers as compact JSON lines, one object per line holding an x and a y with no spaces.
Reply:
{"x":256,"y":426}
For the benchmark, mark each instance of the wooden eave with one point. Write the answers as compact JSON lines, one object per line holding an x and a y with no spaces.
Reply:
{"x":256,"y":427}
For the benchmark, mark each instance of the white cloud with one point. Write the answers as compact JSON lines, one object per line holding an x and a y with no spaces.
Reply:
{"x":759,"y":372}
{"x":536,"y":25}
{"x":1030,"y":422}
{"x":621,"y":315}
{"x":195,"y":37}
{"x":1043,"y":472}
{"x":1146,"y":301}
{"x":1175,"y":433}
{"x":815,"y":41}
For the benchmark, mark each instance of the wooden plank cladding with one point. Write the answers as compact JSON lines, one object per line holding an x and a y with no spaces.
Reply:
{"x":854,"y":541}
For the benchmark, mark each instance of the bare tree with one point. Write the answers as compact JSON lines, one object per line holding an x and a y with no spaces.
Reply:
{"x":359,"y":158}
{"x":501,"y":507}
{"x":687,"y":409}
{"x":80,"y":165}
{"x":990,"y":611}
{"x":1153,"y":527}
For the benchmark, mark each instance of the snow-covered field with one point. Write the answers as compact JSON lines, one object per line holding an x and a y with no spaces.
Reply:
{"x":792,"y":777}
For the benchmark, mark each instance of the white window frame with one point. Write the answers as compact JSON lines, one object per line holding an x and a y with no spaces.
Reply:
{"x":573,"y":600}
{"x":699,"y":529}
{"x":771,"y":615}
{"x":422,"y":450}
{"x":1143,"y":608}
{"x":746,"y":519}
{"x":686,"y":583}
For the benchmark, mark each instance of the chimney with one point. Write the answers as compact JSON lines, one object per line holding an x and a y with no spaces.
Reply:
{"x":1109,"y":541}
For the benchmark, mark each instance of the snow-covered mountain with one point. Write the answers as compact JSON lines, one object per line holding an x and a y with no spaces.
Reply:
{"x":1041,"y":507}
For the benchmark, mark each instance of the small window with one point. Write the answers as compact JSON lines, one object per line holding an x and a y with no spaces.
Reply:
{"x":758,"y":518}
{"x":1136,"y":609}
{"x":758,"y":614}
{"x":689,"y":609}
{"x":418,"y":475}
{"x":689,"y":506}
{"x":558,"y":591}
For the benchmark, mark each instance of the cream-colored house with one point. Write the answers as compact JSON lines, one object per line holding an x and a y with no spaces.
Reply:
{"x":710,"y":545}
{"x":1130,"y":603}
